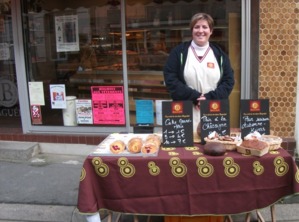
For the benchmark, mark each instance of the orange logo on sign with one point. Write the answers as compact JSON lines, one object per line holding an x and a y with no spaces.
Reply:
{"x":215,"y":106}
{"x":177,"y":107}
{"x":255,"y":106}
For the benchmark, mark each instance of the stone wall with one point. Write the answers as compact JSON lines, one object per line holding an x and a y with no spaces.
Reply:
{"x":279,"y":33}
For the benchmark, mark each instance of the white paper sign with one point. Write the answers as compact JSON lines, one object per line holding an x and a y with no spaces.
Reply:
{"x":84,"y":111}
{"x":58,"y":100}
{"x":36,"y":93}
{"x":158,"y":104}
{"x":67,"y":36}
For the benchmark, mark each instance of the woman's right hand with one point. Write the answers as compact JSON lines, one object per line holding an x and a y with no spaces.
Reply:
{"x":202,"y":97}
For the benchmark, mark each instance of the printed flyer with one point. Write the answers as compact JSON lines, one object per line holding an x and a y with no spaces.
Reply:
{"x":84,"y":111}
{"x":36,"y":93}
{"x":67,"y":36}
{"x":108,"y":105}
{"x":58,"y":100}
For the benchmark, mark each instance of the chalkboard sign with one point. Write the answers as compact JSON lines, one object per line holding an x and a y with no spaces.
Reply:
{"x":255,"y":116}
{"x":214,"y":116}
{"x":177,"y":123}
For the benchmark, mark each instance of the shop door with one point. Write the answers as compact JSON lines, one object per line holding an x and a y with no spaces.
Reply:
{"x":9,"y":106}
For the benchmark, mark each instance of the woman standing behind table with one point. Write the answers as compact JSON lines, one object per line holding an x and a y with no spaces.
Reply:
{"x":198,"y":69}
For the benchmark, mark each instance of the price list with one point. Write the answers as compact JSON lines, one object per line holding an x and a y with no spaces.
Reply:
{"x":177,"y":124}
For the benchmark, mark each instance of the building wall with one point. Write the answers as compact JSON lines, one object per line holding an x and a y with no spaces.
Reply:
{"x":279,"y":34}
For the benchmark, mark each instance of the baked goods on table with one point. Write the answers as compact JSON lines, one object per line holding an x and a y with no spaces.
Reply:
{"x":273,"y":141}
{"x":149,"y":147}
{"x":151,"y":144}
{"x":253,"y":147}
{"x":154,"y":138}
{"x":134,"y":145}
{"x":129,"y":144}
{"x":117,"y":147}
{"x":214,"y":149}
{"x":229,"y":142}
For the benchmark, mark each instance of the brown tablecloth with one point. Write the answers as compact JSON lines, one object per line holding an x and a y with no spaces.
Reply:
{"x":184,"y":181}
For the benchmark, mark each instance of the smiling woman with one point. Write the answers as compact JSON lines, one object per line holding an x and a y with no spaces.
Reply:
{"x":198,"y":69}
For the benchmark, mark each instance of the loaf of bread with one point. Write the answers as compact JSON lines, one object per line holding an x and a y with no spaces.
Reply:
{"x":214,"y":149}
{"x":254,"y":144}
{"x":253,"y":147}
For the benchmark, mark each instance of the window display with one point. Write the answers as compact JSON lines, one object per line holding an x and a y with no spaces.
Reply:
{"x":85,"y":46}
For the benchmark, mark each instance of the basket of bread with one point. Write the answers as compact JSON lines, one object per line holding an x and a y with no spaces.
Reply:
{"x":228,"y":141}
{"x":258,"y":145}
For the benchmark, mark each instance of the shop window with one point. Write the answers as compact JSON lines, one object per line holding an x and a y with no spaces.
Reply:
{"x":82,"y":45}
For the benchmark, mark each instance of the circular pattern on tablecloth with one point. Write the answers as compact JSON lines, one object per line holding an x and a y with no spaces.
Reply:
{"x":258,"y":169}
{"x":231,"y":169}
{"x":197,"y":153}
{"x":205,"y":169}
{"x":83,"y":174}
{"x":168,"y":148}
{"x":297,"y":175}
{"x":191,"y":148}
{"x":281,"y":167}
{"x":100,"y":168}
{"x":154,"y":170}
{"x":126,"y":169}
{"x":173,"y":154}
{"x":178,"y":169}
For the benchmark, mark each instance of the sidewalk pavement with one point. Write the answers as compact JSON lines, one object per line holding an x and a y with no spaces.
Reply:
{"x":39,"y":183}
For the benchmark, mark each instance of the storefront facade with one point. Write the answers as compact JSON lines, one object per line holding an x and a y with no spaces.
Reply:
{"x":72,"y":50}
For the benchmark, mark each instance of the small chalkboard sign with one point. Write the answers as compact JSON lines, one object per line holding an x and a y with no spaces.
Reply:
{"x":214,"y":116}
{"x":255,"y":116}
{"x":177,"y":123}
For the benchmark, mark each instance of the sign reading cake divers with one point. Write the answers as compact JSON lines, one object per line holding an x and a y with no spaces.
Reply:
{"x":214,"y":117}
{"x":255,"y":116}
{"x":177,"y":123}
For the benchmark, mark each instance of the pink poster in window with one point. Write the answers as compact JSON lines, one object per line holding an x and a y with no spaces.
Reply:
{"x":108,"y":105}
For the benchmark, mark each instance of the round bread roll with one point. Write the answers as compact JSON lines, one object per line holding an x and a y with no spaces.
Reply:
{"x":153,"y":138}
{"x":134,"y":145}
{"x":214,"y":149}
{"x":149,"y":147}
{"x":117,"y":147}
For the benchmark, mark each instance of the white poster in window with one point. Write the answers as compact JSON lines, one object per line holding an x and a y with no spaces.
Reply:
{"x":67,"y":36}
{"x":84,"y":111}
{"x":58,"y":100}
{"x":36,"y":93}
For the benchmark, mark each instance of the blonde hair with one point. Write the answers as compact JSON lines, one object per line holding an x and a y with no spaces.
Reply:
{"x":202,"y":16}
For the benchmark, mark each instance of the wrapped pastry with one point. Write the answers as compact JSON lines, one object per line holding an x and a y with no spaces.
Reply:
{"x":117,"y":147}
{"x":154,"y":138}
{"x":149,"y":147}
{"x":135,"y":145}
